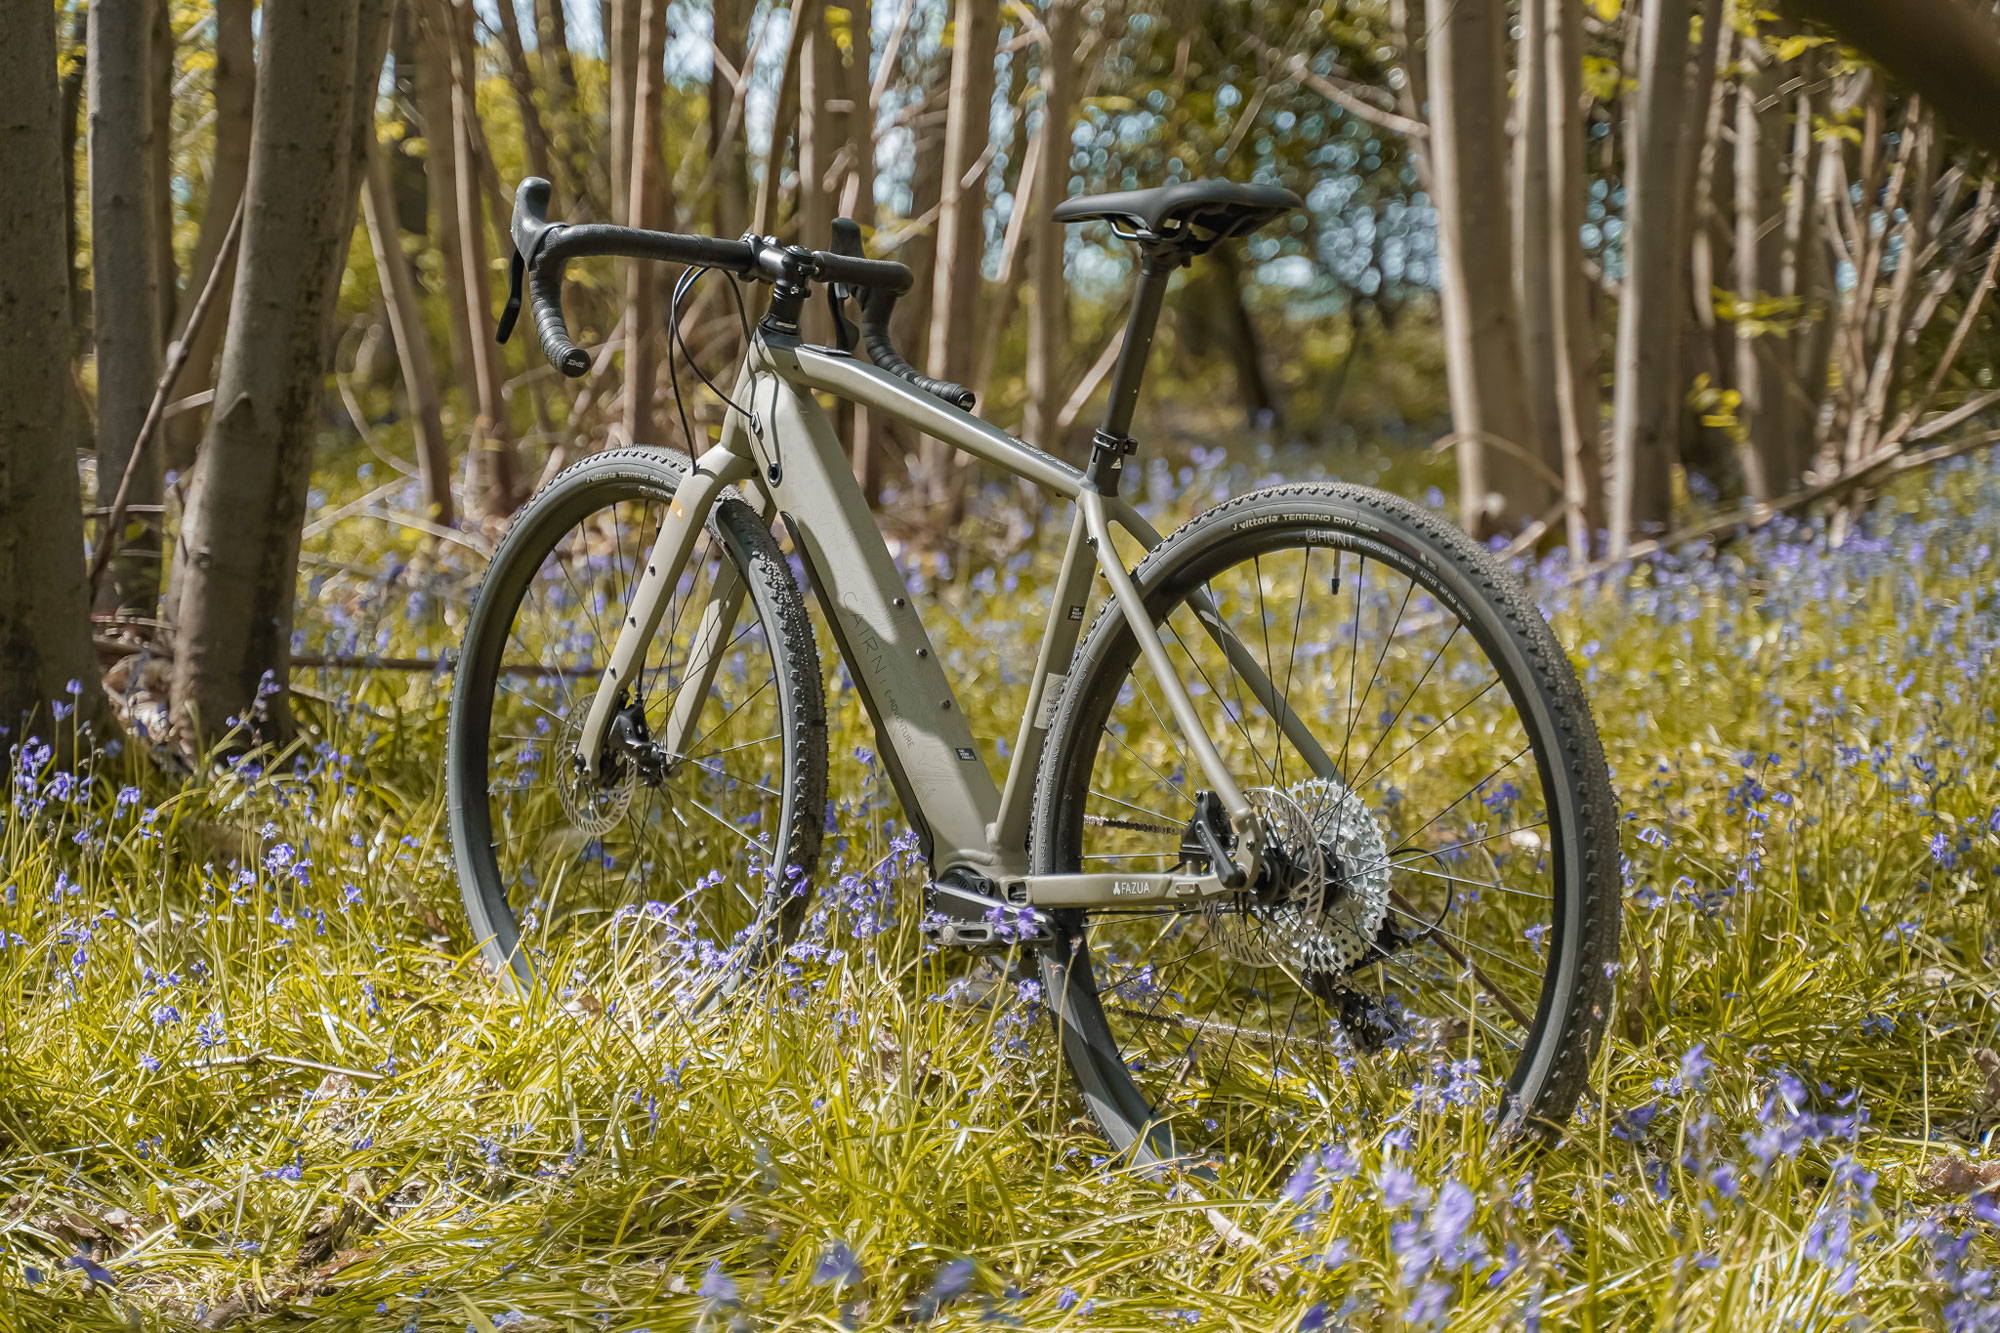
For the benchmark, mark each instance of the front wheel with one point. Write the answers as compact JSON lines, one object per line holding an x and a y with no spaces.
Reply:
{"x":1442,"y":900}
{"x":693,"y":841}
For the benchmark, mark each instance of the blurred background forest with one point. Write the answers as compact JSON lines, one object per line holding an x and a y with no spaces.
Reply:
{"x":1608,"y":273}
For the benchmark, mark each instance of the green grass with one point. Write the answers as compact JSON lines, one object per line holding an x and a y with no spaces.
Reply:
{"x":374,"y":1135}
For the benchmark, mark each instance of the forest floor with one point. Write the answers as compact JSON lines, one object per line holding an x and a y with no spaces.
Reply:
{"x":249,"y":1075}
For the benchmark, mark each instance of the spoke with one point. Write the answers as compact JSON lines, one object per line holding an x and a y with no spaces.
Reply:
{"x":1441,"y":722}
{"x":1376,"y":673}
{"x":750,"y":841}
{"x":1354,"y":651}
{"x":1441,"y":982}
{"x":753,"y":622}
{"x":723,"y":720}
{"x":1390,"y":858}
{"x":1473,"y":883}
{"x":1160,"y":778}
{"x":1240,"y":717}
{"x":1469,"y":791}
{"x":1112,"y":821}
{"x":731,"y":749}
{"x":1433,"y":931}
{"x":530,"y":702}
{"x":1164,"y":819}
{"x":719,"y":771}
{"x":1411,"y":697}
{"x":1209,"y":1025}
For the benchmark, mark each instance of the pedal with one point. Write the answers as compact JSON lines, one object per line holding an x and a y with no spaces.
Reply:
{"x":959,"y":916}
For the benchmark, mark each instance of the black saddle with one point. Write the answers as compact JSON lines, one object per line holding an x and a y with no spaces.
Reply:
{"x":1221,"y":207}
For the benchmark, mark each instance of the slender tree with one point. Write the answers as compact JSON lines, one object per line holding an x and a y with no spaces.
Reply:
{"x":1534,"y":250}
{"x":521,"y":79}
{"x":1771,"y":465}
{"x":961,"y":228}
{"x":234,"y":79}
{"x":1575,"y":329}
{"x":495,"y":467}
{"x":125,"y":283}
{"x":44,"y":602}
{"x":646,"y":196}
{"x":1647,"y":383}
{"x":623,"y":53}
{"x":1501,"y":481}
{"x":406,"y":324}
{"x":1048,"y":327}
{"x":239,"y":542}
{"x":728,"y":80}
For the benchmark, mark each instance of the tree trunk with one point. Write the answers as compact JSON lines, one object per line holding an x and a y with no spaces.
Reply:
{"x":623,"y":50}
{"x":1048,"y":327}
{"x":913,"y":313}
{"x":1708,"y":453}
{"x":643,"y":194}
{"x":857,"y":201}
{"x":1242,"y":344}
{"x":522,"y":80}
{"x":784,"y":119}
{"x":73,"y":81}
{"x":44,"y":600}
{"x":235,"y":82}
{"x":729,"y":170}
{"x":961,"y":228}
{"x":1763,"y":352}
{"x":1500,"y":489}
{"x":1575,"y":330}
{"x":443,"y":166}
{"x":857,"y":198}
{"x":497,"y":479}
{"x":1646,"y":387}
{"x":160,"y":142}
{"x":413,"y":350}
{"x":239,"y":542}
{"x":125,"y":284}
{"x":820,"y":131}
{"x":1534,"y":250}
{"x":1806,"y":279}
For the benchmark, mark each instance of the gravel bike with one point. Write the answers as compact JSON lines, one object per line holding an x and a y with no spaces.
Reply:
{"x":1314,"y":785}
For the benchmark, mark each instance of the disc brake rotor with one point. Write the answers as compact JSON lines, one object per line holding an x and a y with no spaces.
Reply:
{"x":592,"y":805}
{"x":1326,"y":917}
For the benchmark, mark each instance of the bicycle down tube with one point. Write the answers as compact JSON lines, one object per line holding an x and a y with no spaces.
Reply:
{"x":789,"y":454}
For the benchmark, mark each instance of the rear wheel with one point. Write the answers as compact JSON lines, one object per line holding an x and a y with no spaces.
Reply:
{"x":693,"y":844}
{"x":1443,"y":897}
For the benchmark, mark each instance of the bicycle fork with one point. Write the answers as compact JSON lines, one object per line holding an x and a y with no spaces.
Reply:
{"x":721,"y":467}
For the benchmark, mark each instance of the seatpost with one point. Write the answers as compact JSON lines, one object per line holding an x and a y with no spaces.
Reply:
{"x":1113,"y":440}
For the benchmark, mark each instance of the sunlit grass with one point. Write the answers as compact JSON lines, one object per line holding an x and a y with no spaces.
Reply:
{"x":248,"y":1070}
